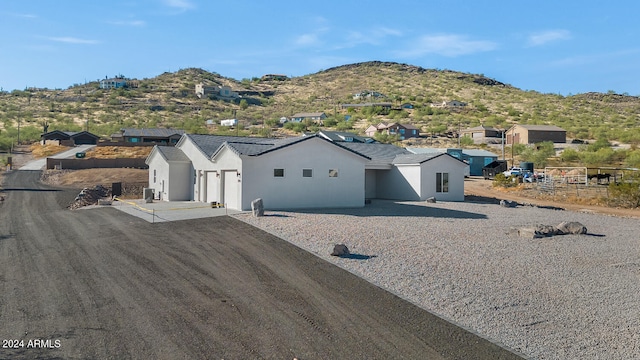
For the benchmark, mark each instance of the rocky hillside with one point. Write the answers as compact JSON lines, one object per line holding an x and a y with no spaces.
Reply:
{"x":169,"y":100}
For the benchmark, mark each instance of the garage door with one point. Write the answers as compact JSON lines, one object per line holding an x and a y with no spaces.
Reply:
{"x":231,"y":190}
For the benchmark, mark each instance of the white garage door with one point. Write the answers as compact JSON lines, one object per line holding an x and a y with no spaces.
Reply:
{"x":231,"y":190}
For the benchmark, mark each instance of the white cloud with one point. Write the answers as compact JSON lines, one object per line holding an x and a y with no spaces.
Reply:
{"x":451,"y":45}
{"x":26,"y":16}
{"x":182,"y":5}
{"x":72,"y":40}
{"x":307,"y":40}
{"x":544,"y":37}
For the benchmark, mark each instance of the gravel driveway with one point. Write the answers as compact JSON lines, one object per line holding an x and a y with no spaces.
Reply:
{"x":563,"y":297}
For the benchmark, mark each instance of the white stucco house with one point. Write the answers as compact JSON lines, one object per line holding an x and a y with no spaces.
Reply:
{"x":300,"y":172}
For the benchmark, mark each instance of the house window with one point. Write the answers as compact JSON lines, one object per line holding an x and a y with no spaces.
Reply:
{"x":402,"y":131}
{"x":154,"y":176}
{"x":278,"y":172}
{"x":333,"y":173}
{"x":307,"y":172}
{"x":442,"y":182}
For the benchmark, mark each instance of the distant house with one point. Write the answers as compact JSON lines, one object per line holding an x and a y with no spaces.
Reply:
{"x":532,"y":134}
{"x":223,"y":91}
{"x":406,"y":106}
{"x":70,"y":138}
{"x":366,"y":94}
{"x":155,"y":136}
{"x":450,"y":104}
{"x":481,"y":132}
{"x":402,"y":131}
{"x":313,"y":116}
{"x":113,"y":83}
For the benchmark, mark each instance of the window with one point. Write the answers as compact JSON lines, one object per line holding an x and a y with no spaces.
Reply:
{"x":442,"y":182}
{"x":333,"y":173}
{"x":307,"y":172}
{"x":278,"y":172}
{"x":154,"y":176}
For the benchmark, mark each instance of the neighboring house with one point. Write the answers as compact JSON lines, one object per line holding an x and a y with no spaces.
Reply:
{"x":481,"y":132}
{"x":70,"y":138}
{"x":366,"y":94}
{"x":223,"y":91}
{"x":313,"y":116}
{"x":155,"y":135}
{"x":300,"y":172}
{"x":113,"y":83}
{"x":532,"y":134}
{"x":450,"y":104}
{"x":476,"y":159}
{"x":402,"y":131}
{"x":343,"y":136}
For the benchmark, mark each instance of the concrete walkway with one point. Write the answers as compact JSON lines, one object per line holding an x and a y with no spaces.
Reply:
{"x":39,"y":164}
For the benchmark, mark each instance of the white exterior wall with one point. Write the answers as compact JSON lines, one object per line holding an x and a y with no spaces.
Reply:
{"x":171,"y":179}
{"x":443,"y":164}
{"x":294,"y":191}
{"x":393,"y":184}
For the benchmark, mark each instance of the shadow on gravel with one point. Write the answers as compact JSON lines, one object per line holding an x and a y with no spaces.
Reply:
{"x":391,"y":208}
{"x":358,"y":256}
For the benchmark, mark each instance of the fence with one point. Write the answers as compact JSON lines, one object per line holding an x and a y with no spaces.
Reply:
{"x":78,"y":164}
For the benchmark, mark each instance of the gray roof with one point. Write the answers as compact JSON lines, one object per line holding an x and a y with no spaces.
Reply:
{"x":172,"y":153}
{"x":250,"y":146}
{"x":414,"y":158}
{"x":153,"y":132}
{"x":478,"y":152}
{"x":380,"y":154}
{"x":468,"y":152}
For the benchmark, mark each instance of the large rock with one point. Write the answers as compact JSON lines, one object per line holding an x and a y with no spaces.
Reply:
{"x":431,"y":199}
{"x":508,"y":203}
{"x":571,"y":227}
{"x":257,"y":208}
{"x":340,"y":250}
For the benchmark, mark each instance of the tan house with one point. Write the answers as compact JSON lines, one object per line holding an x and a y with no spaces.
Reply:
{"x":532,"y":134}
{"x":481,"y":132}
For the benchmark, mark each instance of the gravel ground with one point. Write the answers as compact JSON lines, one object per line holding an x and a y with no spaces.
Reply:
{"x":562,"y":297}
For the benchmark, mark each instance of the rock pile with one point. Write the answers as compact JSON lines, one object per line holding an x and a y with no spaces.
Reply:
{"x":90,"y":196}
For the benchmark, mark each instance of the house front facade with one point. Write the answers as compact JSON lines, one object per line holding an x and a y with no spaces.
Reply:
{"x":302,"y":172}
{"x":314,"y":116}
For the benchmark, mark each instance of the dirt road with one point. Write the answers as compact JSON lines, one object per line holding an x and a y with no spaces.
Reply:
{"x":101,"y":284}
{"x":482,"y":190}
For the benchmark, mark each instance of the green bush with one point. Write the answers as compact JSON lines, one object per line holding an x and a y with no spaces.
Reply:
{"x":627,"y":193}
{"x":504,"y":181}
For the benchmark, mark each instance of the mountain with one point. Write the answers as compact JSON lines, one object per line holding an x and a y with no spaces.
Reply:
{"x":169,"y":100}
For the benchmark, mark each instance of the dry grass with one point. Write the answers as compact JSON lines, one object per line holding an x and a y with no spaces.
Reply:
{"x":119,"y":152}
{"x":39,"y":151}
{"x":91,"y":177}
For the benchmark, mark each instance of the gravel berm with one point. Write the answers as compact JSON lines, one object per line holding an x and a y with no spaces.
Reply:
{"x":560,"y":297}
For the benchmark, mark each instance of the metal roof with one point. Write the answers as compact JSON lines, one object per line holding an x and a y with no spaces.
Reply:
{"x":152,"y":132}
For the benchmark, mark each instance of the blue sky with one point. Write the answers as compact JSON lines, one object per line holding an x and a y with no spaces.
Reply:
{"x":563,"y":47}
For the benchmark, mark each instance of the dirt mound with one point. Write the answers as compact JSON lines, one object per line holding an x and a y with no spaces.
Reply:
{"x":117,"y":152}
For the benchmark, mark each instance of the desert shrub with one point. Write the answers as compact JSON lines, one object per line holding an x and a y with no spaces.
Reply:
{"x":504,"y":181}
{"x":627,"y":193}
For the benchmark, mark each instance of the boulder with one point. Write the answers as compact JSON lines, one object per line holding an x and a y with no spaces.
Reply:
{"x":571,"y":227}
{"x":340,"y":250}
{"x":257,"y":208}
{"x":431,"y":200}
{"x":508,"y":203}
